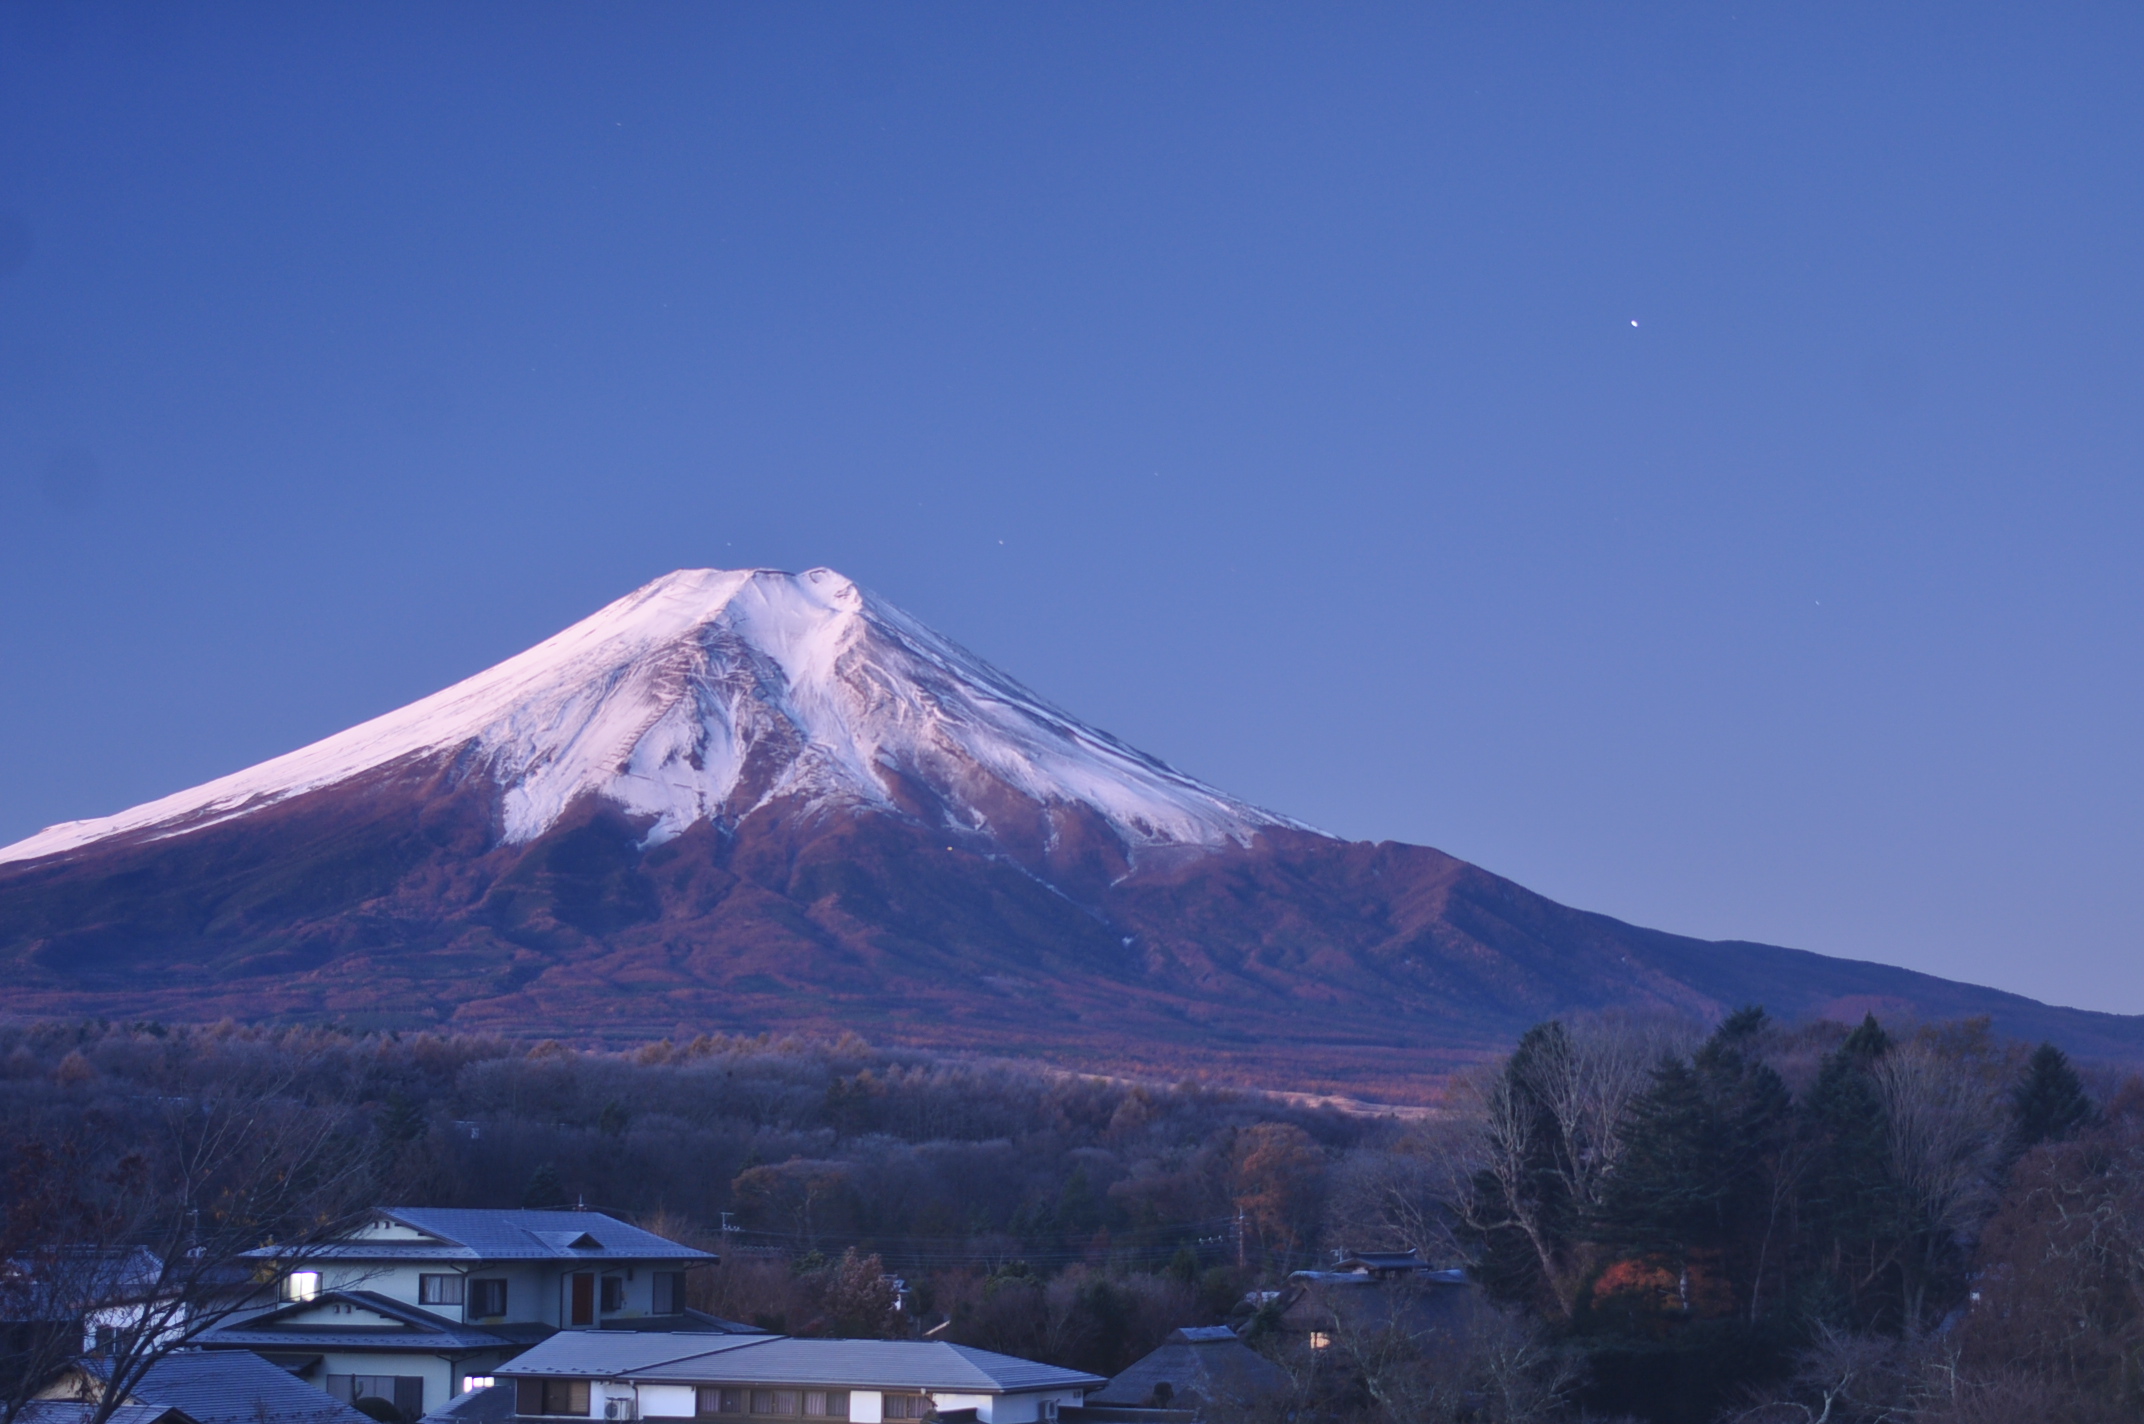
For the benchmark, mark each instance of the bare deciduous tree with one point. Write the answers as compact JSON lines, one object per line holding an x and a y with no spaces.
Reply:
{"x":1587,"y":1079}
{"x":1944,"y":1127}
{"x":1556,"y":1111}
{"x":141,"y":1228}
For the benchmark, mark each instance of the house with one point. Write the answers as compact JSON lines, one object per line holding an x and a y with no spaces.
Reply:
{"x":492,"y":1404}
{"x":85,"y":1293}
{"x":1203,"y":1368}
{"x":772,"y":1379}
{"x":72,"y":1411}
{"x":1384,"y":1265}
{"x":1361,"y":1297}
{"x":419,"y":1305}
{"x":207,"y":1387}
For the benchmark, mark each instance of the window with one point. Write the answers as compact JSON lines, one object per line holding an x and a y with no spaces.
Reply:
{"x":487,"y":1298}
{"x":551,"y":1396}
{"x":908,"y":1406}
{"x":470,"y":1382}
{"x":404,"y":1392}
{"x":716,"y":1402}
{"x":613,"y":1293}
{"x":669,"y":1292}
{"x":439,"y":1290}
{"x":1319,"y":1340}
{"x":301,"y":1285}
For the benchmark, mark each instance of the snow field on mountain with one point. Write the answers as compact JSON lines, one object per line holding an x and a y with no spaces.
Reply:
{"x":710,"y":692}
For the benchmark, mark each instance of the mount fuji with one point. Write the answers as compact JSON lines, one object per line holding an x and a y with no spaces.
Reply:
{"x":753,"y":800}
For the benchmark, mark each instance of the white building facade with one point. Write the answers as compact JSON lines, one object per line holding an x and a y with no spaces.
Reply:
{"x":776,"y":1380}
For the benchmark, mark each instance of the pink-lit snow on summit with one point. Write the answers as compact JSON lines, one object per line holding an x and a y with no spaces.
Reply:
{"x":711,"y":692}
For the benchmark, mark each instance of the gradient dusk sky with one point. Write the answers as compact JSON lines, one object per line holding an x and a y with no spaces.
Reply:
{"x":1689,"y":459}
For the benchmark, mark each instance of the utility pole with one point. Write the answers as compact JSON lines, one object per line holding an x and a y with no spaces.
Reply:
{"x":1237,"y":1227}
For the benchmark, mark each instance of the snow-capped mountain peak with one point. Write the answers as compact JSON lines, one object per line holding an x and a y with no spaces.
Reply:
{"x":709,"y":693}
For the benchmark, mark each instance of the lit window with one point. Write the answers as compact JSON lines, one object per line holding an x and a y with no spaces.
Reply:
{"x":301,"y":1285}
{"x":470,"y":1382}
{"x":1319,"y":1340}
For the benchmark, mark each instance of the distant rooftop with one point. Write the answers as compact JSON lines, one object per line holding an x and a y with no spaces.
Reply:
{"x":1205,"y":1364}
{"x":745,"y":1359}
{"x":466,"y":1234}
{"x":231,"y":1387}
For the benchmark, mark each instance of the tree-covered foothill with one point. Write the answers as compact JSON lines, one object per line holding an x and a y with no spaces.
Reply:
{"x":1663,"y":1221}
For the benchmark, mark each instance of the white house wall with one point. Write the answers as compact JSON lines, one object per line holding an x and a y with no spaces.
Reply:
{"x":668,"y":1401}
{"x":534,"y":1291}
{"x":437,"y":1373}
{"x":385,"y":1230}
{"x":866,"y":1406}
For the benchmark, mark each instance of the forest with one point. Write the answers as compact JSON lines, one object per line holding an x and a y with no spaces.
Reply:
{"x":1664,"y":1221}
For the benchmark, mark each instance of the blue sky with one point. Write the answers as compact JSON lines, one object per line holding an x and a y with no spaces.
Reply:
{"x":1689,"y":459}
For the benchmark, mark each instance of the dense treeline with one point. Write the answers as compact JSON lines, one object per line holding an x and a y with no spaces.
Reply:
{"x":1760,"y":1222}
{"x":812,"y":1144}
{"x":1042,"y":1212}
{"x":1788,"y":1225}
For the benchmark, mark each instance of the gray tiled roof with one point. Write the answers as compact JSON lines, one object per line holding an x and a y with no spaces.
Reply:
{"x":1202,"y":1363}
{"x":857,"y":1364}
{"x":467,"y":1234}
{"x":608,"y":1354}
{"x":491,"y":1405}
{"x":70,"y":1411}
{"x":414,"y":1329}
{"x":236,"y":1387}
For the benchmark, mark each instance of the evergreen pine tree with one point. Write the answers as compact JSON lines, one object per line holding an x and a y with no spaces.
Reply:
{"x":1867,"y":1043}
{"x":1702,"y":1154}
{"x":544,"y":1188}
{"x":2050,"y":1101}
{"x":401,"y":1121}
{"x":1849,"y":1202}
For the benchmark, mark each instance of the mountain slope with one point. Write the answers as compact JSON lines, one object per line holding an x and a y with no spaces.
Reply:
{"x":763,"y":801}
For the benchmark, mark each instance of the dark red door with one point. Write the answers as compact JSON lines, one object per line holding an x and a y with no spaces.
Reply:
{"x":584,"y":1299}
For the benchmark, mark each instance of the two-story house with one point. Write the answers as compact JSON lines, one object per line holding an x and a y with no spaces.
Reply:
{"x":422,"y":1303}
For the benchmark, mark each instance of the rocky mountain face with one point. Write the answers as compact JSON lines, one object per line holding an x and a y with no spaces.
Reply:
{"x":755,"y":801}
